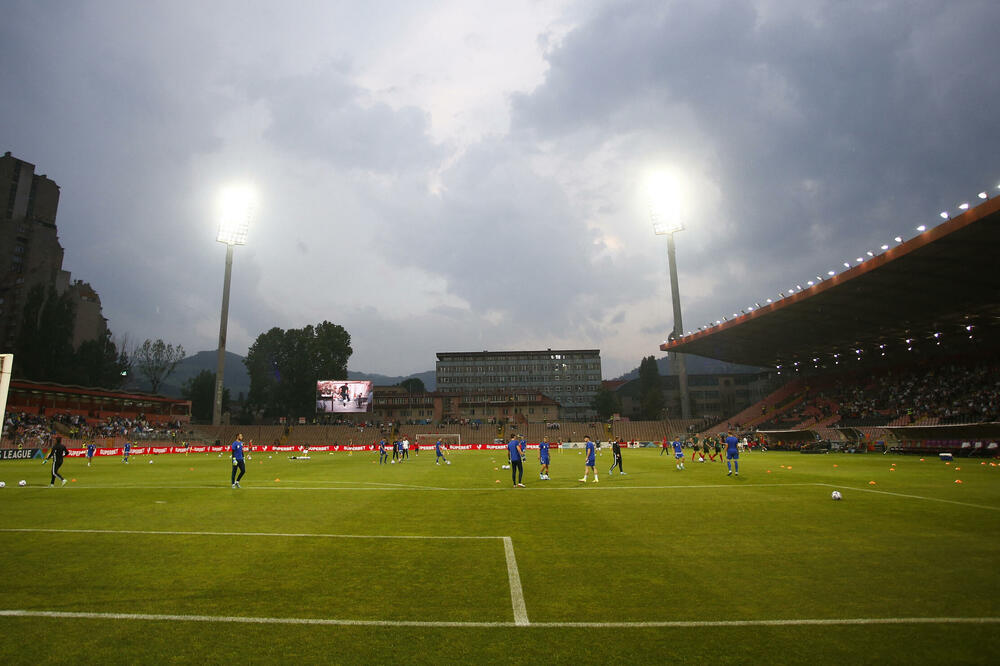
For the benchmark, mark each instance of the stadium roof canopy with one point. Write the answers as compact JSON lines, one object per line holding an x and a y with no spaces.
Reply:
{"x":919,"y":297}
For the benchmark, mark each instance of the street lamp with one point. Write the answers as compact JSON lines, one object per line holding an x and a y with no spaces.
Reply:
{"x":237,"y":205}
{"x":663,"y":204}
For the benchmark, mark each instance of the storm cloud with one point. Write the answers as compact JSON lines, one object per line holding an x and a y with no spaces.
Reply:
{"x":464,"y":176}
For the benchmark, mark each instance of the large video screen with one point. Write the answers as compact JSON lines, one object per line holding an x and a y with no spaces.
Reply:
{"x":343,"y":396}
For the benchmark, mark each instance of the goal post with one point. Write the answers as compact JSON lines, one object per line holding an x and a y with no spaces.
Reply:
{"x":430,"y":439}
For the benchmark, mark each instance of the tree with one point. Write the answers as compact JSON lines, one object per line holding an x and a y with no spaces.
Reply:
{"x":284,"y":367}
{"x":156,"y":360}
{"x":100,"y":363}
{"x":200,"y":390}
{"x":413,"y":385}
{"x":650,"y":389}
{"x":606,"y":403}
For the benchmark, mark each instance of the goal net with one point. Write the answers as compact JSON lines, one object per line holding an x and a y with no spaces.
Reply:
{"x":429,"y":439}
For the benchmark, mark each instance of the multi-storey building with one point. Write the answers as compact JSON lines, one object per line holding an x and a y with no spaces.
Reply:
{"x":30,"y":253}
{"x":570,"y":377}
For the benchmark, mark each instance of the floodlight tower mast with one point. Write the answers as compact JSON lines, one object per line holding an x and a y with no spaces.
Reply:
{"x":663,"y":213}
{"x":233,"y":229}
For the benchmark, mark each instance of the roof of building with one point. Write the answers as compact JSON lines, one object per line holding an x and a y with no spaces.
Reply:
{"x":936,"y":292}
{"x":524,"y":352}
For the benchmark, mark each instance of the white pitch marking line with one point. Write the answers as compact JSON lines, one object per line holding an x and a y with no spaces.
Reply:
{"x":576,"y":488}
{"x":919,"y":497}
{"x":516,"y":593}
{"x":557,"y":625}
{"x":255,"y":534}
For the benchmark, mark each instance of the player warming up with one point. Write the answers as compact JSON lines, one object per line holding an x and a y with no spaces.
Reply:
{"x":383,"y":457}
{"x":236,"y":449}
{"x":56,"y":455}
{"x":90,"y":452}
{"x":543,"y":459}
{"x":127,"y":450}
{"x":516,"y":452}
{"x":439,"y":453}
{"x":590,"y":463}
{"x":616,"y":450}
{"x":732,"y":454}
{"x":678,"y":453}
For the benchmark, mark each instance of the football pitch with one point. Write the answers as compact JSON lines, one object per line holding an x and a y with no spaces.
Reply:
{"x":337,"y":559}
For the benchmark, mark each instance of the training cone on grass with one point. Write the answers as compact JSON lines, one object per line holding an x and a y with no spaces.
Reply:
{"x":279,"y":480}
{"x":871,"y":483}
{"x":958,"y":480}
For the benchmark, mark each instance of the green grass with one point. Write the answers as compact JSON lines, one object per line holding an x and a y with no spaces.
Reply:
{"x":657,"y":545}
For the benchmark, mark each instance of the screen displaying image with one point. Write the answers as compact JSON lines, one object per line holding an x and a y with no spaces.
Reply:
{"x":343,"y":395}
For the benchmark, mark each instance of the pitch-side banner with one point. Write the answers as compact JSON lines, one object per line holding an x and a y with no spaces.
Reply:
{"x":343,"y":396}
{"x":251,"y":449}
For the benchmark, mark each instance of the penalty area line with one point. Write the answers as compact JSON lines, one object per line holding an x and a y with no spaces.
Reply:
{"x":289,"y":535}
{"x":158,"y":617}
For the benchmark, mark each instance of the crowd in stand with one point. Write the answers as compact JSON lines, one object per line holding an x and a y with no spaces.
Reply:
{"x":28,"y":430}
{"x":23,"y":429}
{"x":947,"y":393}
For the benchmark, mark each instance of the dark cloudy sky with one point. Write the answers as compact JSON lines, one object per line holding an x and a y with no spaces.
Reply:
{"x":452,"y":176}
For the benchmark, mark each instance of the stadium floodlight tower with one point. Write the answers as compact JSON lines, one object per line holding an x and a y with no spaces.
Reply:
{"x":236,"y":208}
{"x":664,"y":211}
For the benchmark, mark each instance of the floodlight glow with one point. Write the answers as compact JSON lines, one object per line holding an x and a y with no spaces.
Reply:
{"x":922,"y":227}
{"x":885,"y":247}
{"x":847,"y":264}
{"x":898,"y":239}
{"x":871,"y":254}
{"x":810,"y":283}
{"x":963,"y":206}
{"x":236,"y":204}
{"x":664,"y":203}
{"x":831,"y":273}
{"x":859,"y":260}
{"x":983,"y":195}
{"x":943,"y":214}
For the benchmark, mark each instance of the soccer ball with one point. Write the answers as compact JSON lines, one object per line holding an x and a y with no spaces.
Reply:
{"x":22,"y":483}
{"x":393,"y":462}
{"x":150,"y":462}
{"x":447,"y":462}
{"x":836,"y":495}
{"x":3,"y":484}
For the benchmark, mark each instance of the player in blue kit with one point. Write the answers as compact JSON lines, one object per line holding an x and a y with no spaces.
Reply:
{"x":383,"y":457}
{"x":236,"y":450}
{"x":678,"y":453}
{"x":128,"y":450}
{"x":439,"y":453}
{"x":90,"y":452}
{"x":590,"y":463}
{"x":515,"y":450}
{"x":732,"y":454}
{"x":543,"y":459}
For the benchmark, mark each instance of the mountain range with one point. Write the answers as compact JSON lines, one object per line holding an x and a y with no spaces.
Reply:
{"x":238,"y":380}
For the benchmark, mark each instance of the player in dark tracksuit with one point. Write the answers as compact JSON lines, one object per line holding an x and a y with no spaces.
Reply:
{"x":56,"y":455}
{"x":616,"y":450}
{"x":236,"y":450}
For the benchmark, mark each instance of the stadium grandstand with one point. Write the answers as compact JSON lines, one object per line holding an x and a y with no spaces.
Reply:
{"x":897,"y":352}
